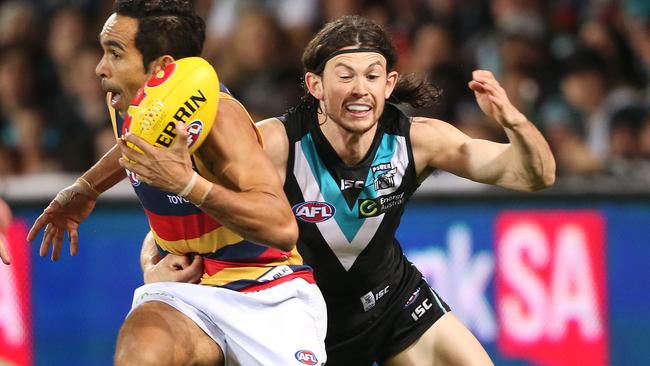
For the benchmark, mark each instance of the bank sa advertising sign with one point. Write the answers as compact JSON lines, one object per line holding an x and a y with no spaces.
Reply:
{"x":534,"y":285}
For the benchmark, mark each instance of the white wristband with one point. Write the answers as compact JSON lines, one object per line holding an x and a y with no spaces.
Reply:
{"x":190,"y":185}
{"x":205,"y":195}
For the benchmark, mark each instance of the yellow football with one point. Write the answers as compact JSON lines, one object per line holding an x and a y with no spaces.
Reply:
{"x":186,"y":90}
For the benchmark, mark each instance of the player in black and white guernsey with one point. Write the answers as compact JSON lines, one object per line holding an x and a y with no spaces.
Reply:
{"x":350,"y":160}
{"x":347,"y":216}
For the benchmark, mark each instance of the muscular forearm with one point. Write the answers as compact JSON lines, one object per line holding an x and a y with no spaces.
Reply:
{"x":107,"y":172}
{"x":530,"y":156}
{"x":256,"y":214}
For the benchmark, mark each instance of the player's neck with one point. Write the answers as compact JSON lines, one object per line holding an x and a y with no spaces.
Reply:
{"x":350,"y":146}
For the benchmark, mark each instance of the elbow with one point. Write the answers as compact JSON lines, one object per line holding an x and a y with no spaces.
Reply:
{"x":286,"y":235}
{"x":542,"y":184}
{"x":549,"y":178}
{"x":544,"y":180}
{"x":548,"y":174}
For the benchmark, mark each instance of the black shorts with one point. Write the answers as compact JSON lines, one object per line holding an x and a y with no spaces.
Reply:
{"x":390,"y":330}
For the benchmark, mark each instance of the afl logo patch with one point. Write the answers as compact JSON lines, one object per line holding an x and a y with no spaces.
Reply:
{"x":194,"y":130}
{"x":162,"y":75}
{"x":412,"y":298}
{"x":306,"y":357}
{"x":133,"y":178}
{"x":314,"y":211}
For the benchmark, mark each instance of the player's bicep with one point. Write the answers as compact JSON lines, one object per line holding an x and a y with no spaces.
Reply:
{"x":439,"y":145}
{"x":233,"y":152}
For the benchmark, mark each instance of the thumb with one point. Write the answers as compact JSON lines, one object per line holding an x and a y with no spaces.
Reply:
{"x":181,"y":136}
{"x":197,"y":261}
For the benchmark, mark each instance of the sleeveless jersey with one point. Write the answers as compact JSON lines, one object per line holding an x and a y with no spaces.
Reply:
{"x":230,"y":261}
{"x":348,"y":216}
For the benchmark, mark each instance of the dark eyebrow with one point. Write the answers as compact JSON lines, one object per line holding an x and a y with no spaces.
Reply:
{"x":340,"y":63}
{"x":113,"y":43}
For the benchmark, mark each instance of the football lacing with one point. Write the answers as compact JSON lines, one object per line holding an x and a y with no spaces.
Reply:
{"x":151,"y":115}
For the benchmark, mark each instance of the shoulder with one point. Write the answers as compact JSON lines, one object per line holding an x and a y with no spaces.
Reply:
{"x":276,"y":143}
{"x":231,"y":111}
{"x":272,"y":129}
{"x":435,"y":141}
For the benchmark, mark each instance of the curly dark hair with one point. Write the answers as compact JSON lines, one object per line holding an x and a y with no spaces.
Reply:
{"x":354,"y":30}
{"x":165,"y":27}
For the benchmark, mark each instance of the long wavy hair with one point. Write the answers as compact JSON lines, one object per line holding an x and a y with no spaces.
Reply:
{"x":353,"y":30}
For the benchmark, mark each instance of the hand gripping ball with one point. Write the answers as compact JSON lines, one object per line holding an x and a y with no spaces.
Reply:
{"x":186,"y":90}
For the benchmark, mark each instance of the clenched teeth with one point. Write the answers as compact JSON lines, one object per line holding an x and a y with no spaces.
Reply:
{"x":358,"y":107}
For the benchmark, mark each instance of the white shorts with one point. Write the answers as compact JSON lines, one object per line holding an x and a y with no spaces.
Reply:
{"x":282,"y":325}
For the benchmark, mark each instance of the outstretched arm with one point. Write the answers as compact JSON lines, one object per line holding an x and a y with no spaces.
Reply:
{"x":244,"y":192}
{"x":526,"y":163}
{"x":73,"y":204}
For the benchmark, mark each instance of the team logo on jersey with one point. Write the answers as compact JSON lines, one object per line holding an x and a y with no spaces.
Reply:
{"x":306,"y":357}
{"x":383,"y":176}
{"x":194,"y":130}
{"x":314,"y":211}
{"x":412,"y":298}
{"x":370,"y":299}
{"x":133,"y":178}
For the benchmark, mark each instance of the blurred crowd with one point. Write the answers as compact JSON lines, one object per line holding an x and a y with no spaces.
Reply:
{"x":579,"y":69}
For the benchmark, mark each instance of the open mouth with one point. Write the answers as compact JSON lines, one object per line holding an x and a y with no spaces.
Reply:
{"x":115,"y":99}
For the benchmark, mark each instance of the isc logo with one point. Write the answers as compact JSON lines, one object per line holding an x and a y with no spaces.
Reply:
{"x":349,"y":183}
{"x":421,"y":309}
{"x":314,"y":211}
{"x":306,"y":357}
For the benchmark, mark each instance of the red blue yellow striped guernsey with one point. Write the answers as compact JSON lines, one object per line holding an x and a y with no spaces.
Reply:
{"x":229,"y":260}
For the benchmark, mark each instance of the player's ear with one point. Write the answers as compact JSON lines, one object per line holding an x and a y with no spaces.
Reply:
{"x":314,"y":84}
{"x":391,"y":81}
{"x":159,"y":63}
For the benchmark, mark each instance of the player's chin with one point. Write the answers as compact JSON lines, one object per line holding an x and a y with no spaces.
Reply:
{"x":360,"y":126}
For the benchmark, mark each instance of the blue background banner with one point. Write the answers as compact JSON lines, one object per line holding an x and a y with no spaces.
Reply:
{"x":79,"y":303}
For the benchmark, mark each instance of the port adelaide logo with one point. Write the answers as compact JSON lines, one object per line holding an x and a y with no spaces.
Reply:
{"x":383,"y":176}
{"x":314,"y":211}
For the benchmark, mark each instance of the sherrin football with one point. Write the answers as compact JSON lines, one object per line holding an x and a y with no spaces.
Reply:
{"x":186,"y":90}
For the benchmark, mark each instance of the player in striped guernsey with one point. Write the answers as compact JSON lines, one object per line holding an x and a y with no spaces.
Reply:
{"x":350,"y":161}
{"x":256,"y":302}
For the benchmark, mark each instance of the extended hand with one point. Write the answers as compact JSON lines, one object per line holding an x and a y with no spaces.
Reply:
{"x":167,"y":169}
{"x":493,"y":99}
{"x":175,"y":268}
{"x":64,"y":214}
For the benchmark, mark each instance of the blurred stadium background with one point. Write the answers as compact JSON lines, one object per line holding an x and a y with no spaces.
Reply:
{"x":552,"y":278}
